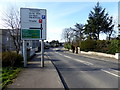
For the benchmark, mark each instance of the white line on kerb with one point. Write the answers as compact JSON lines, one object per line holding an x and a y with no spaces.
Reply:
{"x":110,"y":73}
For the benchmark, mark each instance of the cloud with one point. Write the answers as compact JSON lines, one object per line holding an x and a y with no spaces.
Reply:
{"x":67,"y":9}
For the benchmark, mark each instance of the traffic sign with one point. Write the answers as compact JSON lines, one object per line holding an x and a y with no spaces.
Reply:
{"x":31,"y":34}
{"x":40,"y":20}
{"x":43,"y":16}
{"x":33,"y":21}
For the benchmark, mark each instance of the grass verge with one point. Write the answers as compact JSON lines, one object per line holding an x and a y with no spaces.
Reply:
{"x":8,"y":74}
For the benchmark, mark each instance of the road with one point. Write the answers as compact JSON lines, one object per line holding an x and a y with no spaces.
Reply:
{"x":78,"y":71}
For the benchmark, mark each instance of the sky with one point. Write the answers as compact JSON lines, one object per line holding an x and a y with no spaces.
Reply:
{"x":61,"y":15}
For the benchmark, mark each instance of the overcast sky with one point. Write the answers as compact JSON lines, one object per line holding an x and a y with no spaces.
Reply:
{"x":62,"y":15}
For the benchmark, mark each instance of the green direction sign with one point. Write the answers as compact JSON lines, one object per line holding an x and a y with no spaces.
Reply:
{"x":30,"y":34}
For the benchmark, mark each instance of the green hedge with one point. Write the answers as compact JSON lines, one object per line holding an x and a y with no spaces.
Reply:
{"x":88,"y":45}
{"x":104,"y":46}
{"x":67,"y":46}
{"x":114,"y":47}
{"x":11,"y":59}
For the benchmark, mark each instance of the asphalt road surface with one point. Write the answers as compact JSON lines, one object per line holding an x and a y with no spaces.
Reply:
{"x":78,"y":71}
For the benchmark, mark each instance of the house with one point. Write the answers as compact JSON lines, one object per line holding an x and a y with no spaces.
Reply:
{"x":6,"y":42}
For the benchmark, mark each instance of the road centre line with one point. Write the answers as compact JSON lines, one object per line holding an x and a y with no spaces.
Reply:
{"x":88,"y":63}
{"x":67,"y":57}
{"x":109,"y":73}
{"x":59,"y":53}
{"x":63,"y":55}
{"x":84,"y":62}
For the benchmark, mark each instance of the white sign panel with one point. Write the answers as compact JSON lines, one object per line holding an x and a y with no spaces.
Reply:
{"x":32,"y":20}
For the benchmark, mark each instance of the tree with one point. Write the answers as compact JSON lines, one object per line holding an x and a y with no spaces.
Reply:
{"x":78,"y":35}
{"x":98,"y":22}
{"x":73,"y":36}
{"x":11,"y":19}
{"x":54,"y":43}
{"x":108,"y":27}
{"x":79,"y":31}
{"x":67,"y":35}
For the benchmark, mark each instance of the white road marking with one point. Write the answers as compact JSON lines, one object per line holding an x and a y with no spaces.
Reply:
{"x":84,"y":62}
{"x":58,"y":53}
{"x":67,"y":57}
{"x":88,"y":63}
{"x":110,"y":73}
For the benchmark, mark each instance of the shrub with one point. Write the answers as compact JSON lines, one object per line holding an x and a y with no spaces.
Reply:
{"x":11,"y":59}
{"x":102,"y":46}
{"x":87,"y":45}
{"x":67,"y":45}
{"x":114,"y":47}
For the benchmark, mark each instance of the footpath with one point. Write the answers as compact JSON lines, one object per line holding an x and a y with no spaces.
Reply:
{"x":34,"y":76}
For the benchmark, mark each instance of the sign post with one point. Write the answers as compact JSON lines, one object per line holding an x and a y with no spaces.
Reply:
{"x":24,"y":54}
{"x":33,"y":27}
{"x":42,"y":45}
{"x":42,"y":53}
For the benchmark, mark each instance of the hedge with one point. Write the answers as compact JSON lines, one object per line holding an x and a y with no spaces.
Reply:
{"x":88,"y":45}
{"x":114,"y":47}
{"x":104,"y":46}
{"x":11,"y":59}
{"x":67,"y":46}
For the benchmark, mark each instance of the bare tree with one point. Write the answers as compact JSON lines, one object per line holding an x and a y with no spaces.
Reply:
{"x":67,"y":35}
{"x":74,"y":36}
{"x":11,"y":19}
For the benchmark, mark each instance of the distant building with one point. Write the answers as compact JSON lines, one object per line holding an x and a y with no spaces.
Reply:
{"x":6,"y":41}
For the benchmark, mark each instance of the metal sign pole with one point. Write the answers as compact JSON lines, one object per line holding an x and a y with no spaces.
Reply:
{"x":42,"y":53}
{"x":24,"y":54}
{"x":41,"y":30}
